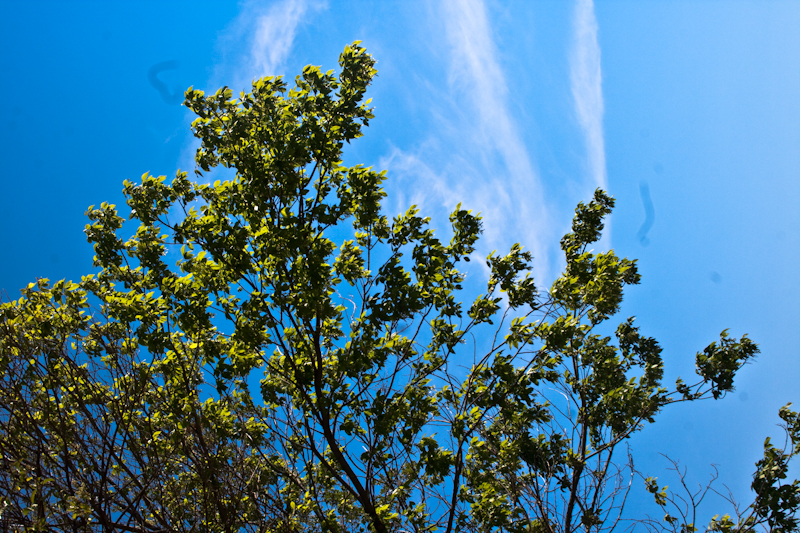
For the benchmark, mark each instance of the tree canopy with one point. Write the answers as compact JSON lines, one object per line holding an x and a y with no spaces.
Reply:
{"x":272,"y":352}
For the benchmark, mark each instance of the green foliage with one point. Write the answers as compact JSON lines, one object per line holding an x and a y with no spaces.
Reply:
{"x":272,"y":353}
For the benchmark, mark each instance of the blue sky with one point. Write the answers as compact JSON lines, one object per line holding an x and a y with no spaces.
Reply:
{"x":687,"y":112}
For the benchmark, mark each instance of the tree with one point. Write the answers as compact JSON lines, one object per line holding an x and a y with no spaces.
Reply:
{"x":299,"y":368}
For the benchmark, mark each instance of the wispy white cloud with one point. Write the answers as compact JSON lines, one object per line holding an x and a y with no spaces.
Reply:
{"x":586,"y":81}
{"x":505,"y":185}
{"x":274,"y":35}
{"x":258,"y":41}
{"x":418,"y":178}
{"x":429,"y":190}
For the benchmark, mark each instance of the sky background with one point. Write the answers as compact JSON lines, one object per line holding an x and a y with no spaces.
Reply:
{"x":688,"y":113}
